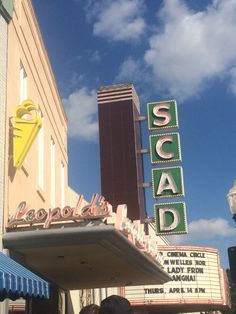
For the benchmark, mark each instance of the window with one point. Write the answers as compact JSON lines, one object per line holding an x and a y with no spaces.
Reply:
{"x":41,"y":155}
{"x":23,"y":84}
{"x":62,"y":185}
{"x":53,"y":173}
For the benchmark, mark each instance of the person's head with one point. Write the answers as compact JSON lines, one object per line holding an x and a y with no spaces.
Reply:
{"x":115,"y":305}
{"x":90,"y":309}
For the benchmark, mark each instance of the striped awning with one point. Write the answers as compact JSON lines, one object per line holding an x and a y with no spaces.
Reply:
{"x":17,"y":281}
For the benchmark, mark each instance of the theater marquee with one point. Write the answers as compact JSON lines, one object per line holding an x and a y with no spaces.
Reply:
{"x":195,"y":276}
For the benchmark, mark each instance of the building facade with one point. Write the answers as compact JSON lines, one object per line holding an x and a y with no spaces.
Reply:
{"x":198,"y":283}
{"x":75,"y":244}
{"x":47,"y":226}
{"x":30,"y":77}
{"x":6,"y":8}
{"x":26,"y":76}
{"x":5,"y":17}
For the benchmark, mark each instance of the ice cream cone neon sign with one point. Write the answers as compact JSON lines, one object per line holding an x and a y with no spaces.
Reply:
{"x":26,"y":125}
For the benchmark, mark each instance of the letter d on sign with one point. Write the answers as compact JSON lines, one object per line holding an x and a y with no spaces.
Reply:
{"x":164,"y":224}
{"x":170,"y":218}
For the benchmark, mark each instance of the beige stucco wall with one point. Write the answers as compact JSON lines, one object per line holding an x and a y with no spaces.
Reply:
{"x":3,"y":84}
{"x":25,"y":46}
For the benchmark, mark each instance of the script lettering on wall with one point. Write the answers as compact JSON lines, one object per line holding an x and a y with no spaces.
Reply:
{"x":98,"y":208}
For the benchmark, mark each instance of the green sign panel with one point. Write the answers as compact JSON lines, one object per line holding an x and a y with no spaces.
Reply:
{"x":162,"y":115}
{"x":167,"y":182}
{"x":170,"y":218}
{"x":165,"y":148}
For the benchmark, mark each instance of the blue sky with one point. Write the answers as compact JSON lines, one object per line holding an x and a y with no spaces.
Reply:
{"x":183,"y":50}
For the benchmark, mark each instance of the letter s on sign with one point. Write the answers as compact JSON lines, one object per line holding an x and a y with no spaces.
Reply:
{"x":164,"y":115}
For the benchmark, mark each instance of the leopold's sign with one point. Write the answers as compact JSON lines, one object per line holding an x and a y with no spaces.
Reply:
{"x":97,"y":208}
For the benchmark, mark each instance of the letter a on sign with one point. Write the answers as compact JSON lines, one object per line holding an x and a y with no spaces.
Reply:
{"x":170,"y":218}
{"x":162,"y":115}
{"x":167,"y":182}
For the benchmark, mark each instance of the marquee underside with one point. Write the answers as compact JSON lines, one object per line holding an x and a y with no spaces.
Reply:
{"x":84,"y":257}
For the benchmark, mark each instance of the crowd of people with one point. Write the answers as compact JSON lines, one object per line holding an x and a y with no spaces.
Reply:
{"x":113,"y":304}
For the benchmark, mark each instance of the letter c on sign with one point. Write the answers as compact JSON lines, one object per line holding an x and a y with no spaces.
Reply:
{"x":159,"y":145}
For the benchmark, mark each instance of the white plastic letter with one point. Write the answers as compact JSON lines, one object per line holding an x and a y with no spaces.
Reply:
{"x":159,"y":145}
{"x":161,"y":114}
{"x":166,"y":183}
{"x":162,"y":217}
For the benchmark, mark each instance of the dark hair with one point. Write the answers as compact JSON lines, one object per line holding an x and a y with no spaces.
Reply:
{"x":115,"y":305}
{"x":90,"y":309}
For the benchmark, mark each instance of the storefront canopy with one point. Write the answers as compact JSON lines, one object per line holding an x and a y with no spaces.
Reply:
{"x":90,"y":256}
{"x":17,"y":281}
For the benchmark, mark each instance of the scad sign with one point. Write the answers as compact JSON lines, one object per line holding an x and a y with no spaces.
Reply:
{"x":167,"y":181}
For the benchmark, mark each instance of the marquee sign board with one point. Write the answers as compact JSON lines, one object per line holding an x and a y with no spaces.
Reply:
{"x":170,"y":217}
{"x":162,"y":115}
{"x":166,"y":182}
{"x":195,"y":276}
{"x":165,"y":148}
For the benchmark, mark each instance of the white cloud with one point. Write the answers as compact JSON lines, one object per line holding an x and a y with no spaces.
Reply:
{"x":81,"y":109}
{"x":192,"y":47}
{"x":129,"y":69}
{"x":95,"y":56}
{"x":134,"y":69}
{"x":117,"y":20}
{"x":215,"y":233}
{"x":203,"y":230}
{"x":233,"y":80}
